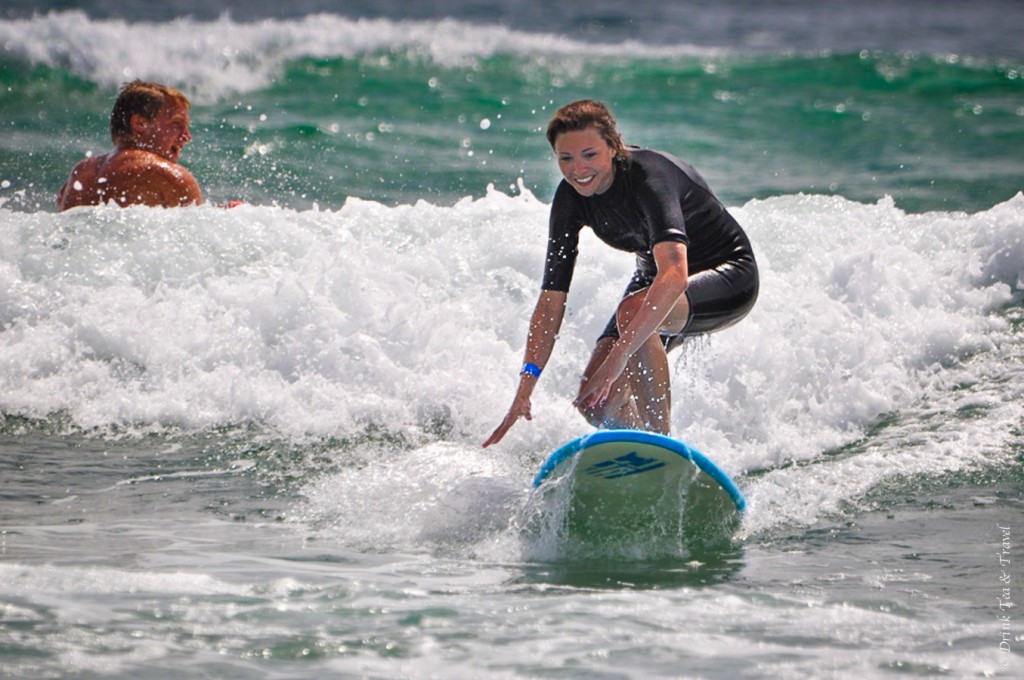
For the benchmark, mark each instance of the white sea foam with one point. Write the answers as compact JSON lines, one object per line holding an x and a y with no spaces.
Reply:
{"x":214,"y":59}
{"x":411,"y":317}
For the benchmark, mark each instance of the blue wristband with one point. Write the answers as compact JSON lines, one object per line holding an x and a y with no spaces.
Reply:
{"x":532,"y":369}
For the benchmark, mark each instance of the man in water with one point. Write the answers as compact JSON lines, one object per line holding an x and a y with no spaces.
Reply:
{"x":149,"y":127}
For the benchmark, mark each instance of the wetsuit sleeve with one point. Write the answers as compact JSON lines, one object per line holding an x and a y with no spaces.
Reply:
{"x":563,"y":241}
{"x":661,"y":193}
{"x":665,"y":216}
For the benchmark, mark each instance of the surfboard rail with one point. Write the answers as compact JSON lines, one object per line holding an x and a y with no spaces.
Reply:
{"x":705,"y":464}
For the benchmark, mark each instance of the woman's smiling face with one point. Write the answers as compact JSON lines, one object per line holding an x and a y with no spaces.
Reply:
{"x":586,"y":161}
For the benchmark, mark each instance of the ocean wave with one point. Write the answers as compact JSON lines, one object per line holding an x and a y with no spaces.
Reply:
{"x":326,"y":322}
{"x":214,"y":59}
{"x":884,"y":345}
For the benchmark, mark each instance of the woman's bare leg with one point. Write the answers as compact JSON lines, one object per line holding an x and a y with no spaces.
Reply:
{"x":648,"y":368}
{"x":649,"y":380}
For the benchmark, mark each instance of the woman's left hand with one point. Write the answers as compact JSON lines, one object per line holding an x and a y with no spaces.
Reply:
{"x":596,"y":389}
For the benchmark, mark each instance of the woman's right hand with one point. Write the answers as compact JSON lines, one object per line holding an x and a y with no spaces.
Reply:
{"x":544,"y":324}
{"x":520,"y":409}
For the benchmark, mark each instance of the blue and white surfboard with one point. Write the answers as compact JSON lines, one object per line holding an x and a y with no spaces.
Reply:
{"x":610,"y":457}
{"x":618,"y":484}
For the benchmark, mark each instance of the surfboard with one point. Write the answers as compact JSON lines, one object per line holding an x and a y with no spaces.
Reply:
{"x":618,"y":483}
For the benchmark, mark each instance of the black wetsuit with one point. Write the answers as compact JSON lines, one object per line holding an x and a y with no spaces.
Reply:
{"x":653,"y":198}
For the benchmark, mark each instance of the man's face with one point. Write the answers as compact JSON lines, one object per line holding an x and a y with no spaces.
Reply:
{"x":167,"y":133}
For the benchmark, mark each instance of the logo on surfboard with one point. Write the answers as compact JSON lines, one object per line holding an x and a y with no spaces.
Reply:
{"x":631,"y":463}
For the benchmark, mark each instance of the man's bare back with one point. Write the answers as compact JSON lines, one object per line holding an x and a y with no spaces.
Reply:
{"x":129,"y":177}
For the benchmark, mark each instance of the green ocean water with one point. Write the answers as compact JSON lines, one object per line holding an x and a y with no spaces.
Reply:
{"x":400,"y":124}
{"x":246,"y":443}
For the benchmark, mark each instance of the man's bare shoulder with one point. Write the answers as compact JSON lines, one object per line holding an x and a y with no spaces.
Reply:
{"x":130,"y":177}
{"x":153,"y":175}
{"x":81,"y":187}
{"x":139,"y":161}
